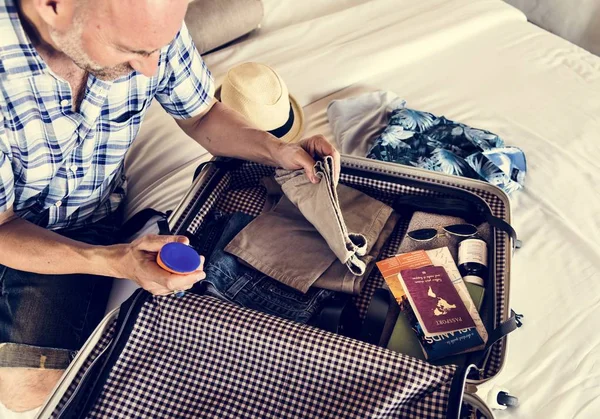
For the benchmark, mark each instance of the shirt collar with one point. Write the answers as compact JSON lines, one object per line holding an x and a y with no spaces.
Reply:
{"x":18,"y":57}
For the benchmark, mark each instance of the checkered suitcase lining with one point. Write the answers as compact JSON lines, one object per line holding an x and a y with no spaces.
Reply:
{"x":199,"y":357}
{"x":218,"y":360}
{"x":239,"y":192}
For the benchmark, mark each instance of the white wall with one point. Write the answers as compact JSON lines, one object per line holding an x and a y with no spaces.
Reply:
{"x":575,"y":20}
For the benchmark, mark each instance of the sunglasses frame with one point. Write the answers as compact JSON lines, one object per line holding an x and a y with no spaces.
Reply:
{"x":445,"y":232}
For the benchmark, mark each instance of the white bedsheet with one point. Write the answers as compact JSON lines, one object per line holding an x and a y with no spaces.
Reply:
{"x":480,"y":62}
{"x":579,"y":21}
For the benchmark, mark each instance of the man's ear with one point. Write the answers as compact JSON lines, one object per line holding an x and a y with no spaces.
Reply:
{"x":57,"y":14}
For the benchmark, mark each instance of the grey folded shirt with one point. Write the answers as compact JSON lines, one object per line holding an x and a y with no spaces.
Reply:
{"x":357,"y":121}
{"x":312,"y":243}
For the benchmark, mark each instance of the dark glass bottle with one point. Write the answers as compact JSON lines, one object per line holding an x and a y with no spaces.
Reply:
{"x":473,"y":266}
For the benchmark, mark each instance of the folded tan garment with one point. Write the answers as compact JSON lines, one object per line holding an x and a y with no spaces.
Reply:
{"x":285,"y":245}
{"x":320,"y":205}
{"x":338,"y":278}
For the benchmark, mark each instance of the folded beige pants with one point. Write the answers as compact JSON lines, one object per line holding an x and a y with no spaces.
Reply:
{"x":304,"y":240}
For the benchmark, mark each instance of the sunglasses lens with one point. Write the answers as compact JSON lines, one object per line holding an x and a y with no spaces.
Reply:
{"x":463,"y":230}
{"x":422,"y":234}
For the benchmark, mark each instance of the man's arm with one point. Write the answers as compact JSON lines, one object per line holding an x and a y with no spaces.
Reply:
{"x":31,"y":248}
{"x":224,"y":132}
{"x":28,"y":247}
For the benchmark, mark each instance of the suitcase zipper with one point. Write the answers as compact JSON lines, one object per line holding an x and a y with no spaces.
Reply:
{"x":110,"y":348}
{"x":458,"y":390}
{"x":83,"y":378}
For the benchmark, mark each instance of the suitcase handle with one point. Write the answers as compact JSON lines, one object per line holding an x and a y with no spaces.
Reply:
{"x":219,"y":163}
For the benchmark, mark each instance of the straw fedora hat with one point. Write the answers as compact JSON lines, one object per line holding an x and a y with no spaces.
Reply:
{"x":258,"y":93}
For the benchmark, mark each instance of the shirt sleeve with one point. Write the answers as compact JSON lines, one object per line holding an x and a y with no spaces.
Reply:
{"x":7,"y":194}
{"x":187,"y":86}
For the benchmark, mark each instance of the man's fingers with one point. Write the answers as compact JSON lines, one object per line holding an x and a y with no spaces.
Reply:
{"x":153,"y":243}
{"x":172,"y":282}
{"x":304,"y":160}
{"x":318,"y":145}
{"x":337,"y":165}
{"x":322,"y":146}
{"x":160,"y":276}
{"x":201,"y":267}
{"x":184,"y":282}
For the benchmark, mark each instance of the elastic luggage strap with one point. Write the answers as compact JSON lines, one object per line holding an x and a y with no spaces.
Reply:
{"x":139,"y":221}
{"x":500,"y":224}
{"x":510,"y":325}
{"x":339,"y":316}
{"x":382,"y":308}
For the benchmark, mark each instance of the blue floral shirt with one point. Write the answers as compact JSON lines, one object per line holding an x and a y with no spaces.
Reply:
{"x":424,"y":140}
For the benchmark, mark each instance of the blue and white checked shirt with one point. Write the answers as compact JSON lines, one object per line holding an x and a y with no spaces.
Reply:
{"x":61,"y":168}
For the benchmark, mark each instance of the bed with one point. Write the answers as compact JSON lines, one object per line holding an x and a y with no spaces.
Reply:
{"x":577,"y":24}
{"x":475,"y":61}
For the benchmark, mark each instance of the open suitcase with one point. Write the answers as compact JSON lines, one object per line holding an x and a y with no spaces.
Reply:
{"x":200,"y":357}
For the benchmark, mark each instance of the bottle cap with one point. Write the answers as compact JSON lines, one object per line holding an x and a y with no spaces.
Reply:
{"x":178,"y":258}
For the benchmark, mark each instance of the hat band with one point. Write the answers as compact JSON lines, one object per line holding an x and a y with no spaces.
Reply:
{"x":285,"y":128}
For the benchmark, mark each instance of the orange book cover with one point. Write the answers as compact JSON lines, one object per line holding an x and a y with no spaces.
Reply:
{"x":391,"y":267}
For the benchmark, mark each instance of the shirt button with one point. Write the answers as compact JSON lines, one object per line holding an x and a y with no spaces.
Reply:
{"x":58,"y":204}
{"x":64,"y":102}
{"x":74,"y":168}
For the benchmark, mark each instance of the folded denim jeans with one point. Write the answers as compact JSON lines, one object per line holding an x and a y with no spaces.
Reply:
{"x":285,"y":244}
{"x":230,"y":280}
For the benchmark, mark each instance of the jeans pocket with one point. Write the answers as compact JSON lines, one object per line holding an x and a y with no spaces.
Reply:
{"x":283,"y":293}
{"x":270,"y":296}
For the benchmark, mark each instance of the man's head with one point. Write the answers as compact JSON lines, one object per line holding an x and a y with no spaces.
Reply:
{"x":111,"y":38}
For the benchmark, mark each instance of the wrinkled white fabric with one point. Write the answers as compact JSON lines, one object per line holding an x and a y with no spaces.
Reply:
{"x":357,"y":121}
{"x":577,"y":21}
{"x":5,"y":413}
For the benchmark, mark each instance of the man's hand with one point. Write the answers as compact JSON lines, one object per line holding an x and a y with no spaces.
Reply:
{"x":224,"y":132}
{"x":137,"y":261}
{"x":302,"y":156}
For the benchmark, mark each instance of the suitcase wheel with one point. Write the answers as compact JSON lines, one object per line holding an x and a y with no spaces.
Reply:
{"x":500,"y":399}
{"x":506,"y":399}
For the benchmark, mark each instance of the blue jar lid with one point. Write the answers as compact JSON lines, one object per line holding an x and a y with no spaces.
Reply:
{"x":179,"y":257}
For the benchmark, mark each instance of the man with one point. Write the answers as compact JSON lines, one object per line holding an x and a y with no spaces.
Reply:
{"x":76,"y":77}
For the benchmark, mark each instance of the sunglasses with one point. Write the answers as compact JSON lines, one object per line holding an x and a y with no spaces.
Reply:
{"x":427,"y":234}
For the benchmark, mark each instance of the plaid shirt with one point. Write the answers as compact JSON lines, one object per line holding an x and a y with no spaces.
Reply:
{"x":60,"y":168}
